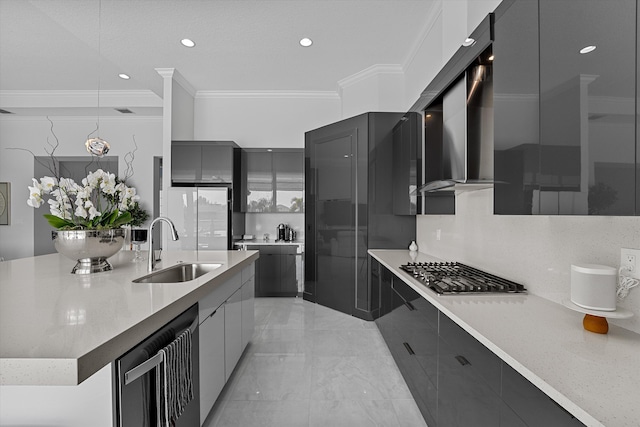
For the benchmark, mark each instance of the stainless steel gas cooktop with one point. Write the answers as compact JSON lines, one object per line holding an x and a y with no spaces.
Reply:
{"x":454,"y":278}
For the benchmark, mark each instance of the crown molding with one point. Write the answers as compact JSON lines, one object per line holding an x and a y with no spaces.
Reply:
{"x":367,"y":73}
{"x":175,"y":75}
{"x":432,"y":19}
{"x":266,"y":94}
{"x":78,"y":98}
{"x":88,"y":119}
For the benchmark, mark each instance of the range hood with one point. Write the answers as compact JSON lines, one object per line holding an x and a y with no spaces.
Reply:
{"x":466,"y":115}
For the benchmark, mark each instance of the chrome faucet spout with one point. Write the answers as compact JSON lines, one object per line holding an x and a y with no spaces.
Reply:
{"x":174,"y":235}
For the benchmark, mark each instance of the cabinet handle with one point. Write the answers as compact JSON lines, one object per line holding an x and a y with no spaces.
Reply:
{"x":408,"y":347}
{"x":462,"y":360}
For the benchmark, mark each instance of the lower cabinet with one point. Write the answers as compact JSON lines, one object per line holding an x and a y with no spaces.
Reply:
{"x":454,"y":379}
{"x":248,"y":300}
{"x":232,"y":332}
{"x":212,"y":348}
{"x":226,"y":327}
{"x":276,"y":275}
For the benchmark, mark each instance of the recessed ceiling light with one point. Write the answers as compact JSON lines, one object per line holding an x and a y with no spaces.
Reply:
{"x":587,"y":49}
{"x":428,"y":115}
{"x":124,"y":76}
{"x":187,"y":42}
{"x":269,"y":150}
{"x":492,"y":57}
{"x":306,"y":42}
{"x":468,"y":42}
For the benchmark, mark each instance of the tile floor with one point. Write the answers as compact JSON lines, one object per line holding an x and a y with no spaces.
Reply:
{"x":308,"y":365}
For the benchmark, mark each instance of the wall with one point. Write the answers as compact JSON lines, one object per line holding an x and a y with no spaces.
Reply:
{"x":536,"y":251}
{"x":263,"y":119}
{"x":16,"y":240}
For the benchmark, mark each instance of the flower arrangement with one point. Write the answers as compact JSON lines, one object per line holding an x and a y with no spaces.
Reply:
{"x":100,"y":202}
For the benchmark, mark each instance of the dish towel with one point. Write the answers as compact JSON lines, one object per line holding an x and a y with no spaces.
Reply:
{"x":174,"y":380}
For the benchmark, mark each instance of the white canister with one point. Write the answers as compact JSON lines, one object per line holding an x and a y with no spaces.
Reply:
{"x":593,"y":286}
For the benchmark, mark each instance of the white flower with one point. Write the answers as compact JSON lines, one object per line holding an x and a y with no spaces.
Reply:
{"x":35,"y":200}
{"x":81,"y":212}
{"x":93,"y":212}
{"x":48,"y":183}
{"x":99,"y":196}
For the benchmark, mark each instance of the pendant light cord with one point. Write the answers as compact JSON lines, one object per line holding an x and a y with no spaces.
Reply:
{"x":99,"y":60}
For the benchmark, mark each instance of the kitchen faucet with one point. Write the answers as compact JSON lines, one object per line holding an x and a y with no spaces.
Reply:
{"x":174,"y":235}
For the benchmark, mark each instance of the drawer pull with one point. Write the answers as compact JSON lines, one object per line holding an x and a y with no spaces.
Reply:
{"x":408,"y":347}
{"x":462,"y":360}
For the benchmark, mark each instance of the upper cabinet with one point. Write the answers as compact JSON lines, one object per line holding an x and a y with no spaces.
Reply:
{"x":406,"y":165}
{"x":204,"y":162}
{"x":565,"y":107}
{"x":273,"y":181}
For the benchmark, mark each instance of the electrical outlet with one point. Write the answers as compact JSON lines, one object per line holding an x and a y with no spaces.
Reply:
{"x":630,"y":260}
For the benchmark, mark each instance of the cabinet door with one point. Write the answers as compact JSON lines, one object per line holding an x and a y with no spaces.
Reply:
{"x":530,"y":404}
{"x":288,"y":282}
{"x":217,"y":163}
{"x":258,"y":181}
{"x":406,"y":165}
{"x":268,"y":270}
{"x":248,"y":310}
{"x":516,"y":108}
{"x":466,"y":383}
{"x":232,"y":332}
{"x":185,"y":163}
{"x":212,"y":355}
{"x":587,"y":108}
{"x":288,"y":170}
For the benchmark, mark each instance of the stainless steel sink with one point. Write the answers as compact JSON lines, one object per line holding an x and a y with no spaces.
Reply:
{"x":178,"y":273}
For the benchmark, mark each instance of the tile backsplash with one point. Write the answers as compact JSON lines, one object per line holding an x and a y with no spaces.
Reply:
{"x":536,"y":251}
{"x":261,"y":223}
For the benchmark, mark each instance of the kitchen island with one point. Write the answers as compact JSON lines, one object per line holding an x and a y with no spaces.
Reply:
{"x":594,"y":377}
{"x":61,"y":329}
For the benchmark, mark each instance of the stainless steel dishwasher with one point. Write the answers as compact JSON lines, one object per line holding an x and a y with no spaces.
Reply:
{"x":135,"y":401}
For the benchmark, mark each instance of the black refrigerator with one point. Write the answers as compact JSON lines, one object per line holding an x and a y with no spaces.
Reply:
{"x":350,"y":180}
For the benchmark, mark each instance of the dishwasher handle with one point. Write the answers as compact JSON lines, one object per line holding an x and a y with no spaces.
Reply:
{"x":141,"y":369}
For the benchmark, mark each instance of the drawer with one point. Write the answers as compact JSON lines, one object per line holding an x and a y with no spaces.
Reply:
{"x":218,"y":296}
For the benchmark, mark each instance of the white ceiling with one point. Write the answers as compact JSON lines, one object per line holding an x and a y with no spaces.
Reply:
{"x":242,"y":45}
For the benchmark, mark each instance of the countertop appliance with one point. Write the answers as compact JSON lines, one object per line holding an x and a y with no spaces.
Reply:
{"x":455,"y":278}
{"x":285,"y":233}
{"x":204,"y":218}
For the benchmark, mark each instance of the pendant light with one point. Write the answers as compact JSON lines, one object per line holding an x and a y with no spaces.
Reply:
{"x":98,"y":146}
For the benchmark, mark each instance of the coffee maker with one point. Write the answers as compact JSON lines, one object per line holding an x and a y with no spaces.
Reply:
{"x":282,"y":232}
{"x":285,"y":233}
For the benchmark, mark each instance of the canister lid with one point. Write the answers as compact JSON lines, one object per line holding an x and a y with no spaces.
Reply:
{"x":604,"y":270}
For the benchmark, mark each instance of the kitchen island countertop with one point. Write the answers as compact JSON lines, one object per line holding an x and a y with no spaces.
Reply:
{"x":595,"y":377}
{"x":58,"y":328}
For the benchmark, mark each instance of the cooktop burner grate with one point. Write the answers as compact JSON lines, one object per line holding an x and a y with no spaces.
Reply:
{"x":453,"y":278}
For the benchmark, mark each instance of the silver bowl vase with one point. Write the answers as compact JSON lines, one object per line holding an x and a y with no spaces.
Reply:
{"x":90,"y":248}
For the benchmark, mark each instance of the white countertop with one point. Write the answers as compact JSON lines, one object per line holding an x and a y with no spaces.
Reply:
{"x":268,"y":242}
{"x":595,"y":377}
{"x":58,"y":328}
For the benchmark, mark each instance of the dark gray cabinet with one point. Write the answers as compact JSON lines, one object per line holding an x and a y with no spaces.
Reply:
{"x":454,"y":379}
{"x":349,"y":208}
{"x":565,"y":120}
{"x":516,"y":107}
{"x":205,"y":162}
{"x":407,"y":165}
{"x":276,"y":271}
{"x":273,"y":180}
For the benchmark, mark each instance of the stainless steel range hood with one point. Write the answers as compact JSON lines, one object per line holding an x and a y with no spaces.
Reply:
{"x":467,"y":133}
